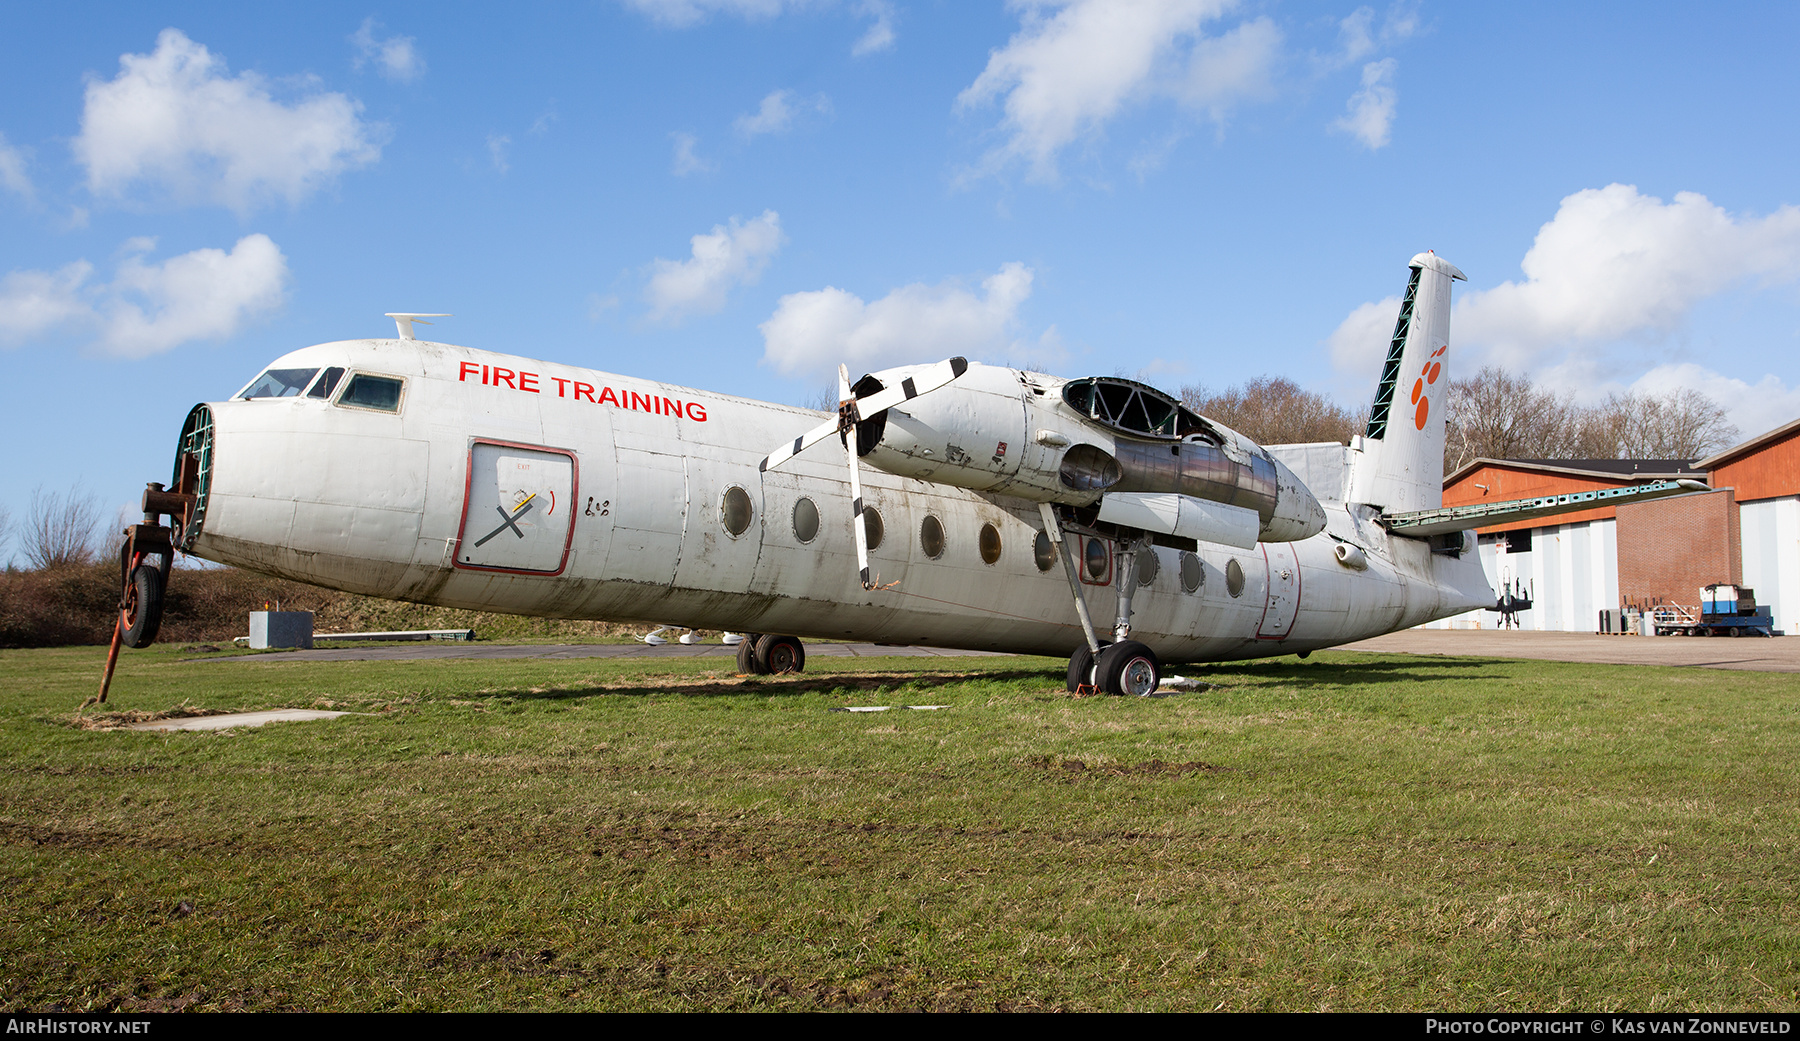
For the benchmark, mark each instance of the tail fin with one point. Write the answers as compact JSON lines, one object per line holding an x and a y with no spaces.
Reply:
{"x":1398,"y":464}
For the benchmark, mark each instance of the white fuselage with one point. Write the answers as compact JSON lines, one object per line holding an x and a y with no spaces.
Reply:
{"x":604,"y":497}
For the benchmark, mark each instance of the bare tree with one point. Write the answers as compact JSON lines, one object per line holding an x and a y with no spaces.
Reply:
{"x":62,"y":529}
{"x":1495,"y":414}
{"x":825,"y":399}
{"x":1682,"y":424}
{"x":1273,"y":410}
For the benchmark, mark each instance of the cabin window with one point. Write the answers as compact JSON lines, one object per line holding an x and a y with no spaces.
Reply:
{"x":1097,"y":556}
{"x":872,"y":527}
{"x":1234,"y":578}
{"x":990,"y":544}
{"x":931,"y":537}
{"x":1193,"y":573}
{"x":376,"y":392}
{"x":325,"y":384}
{"x":806,"y":520}
{"x":279,"y":383}
{"x":736,"y":511}
{"x":1131,"y":407}
{"x":1043,"y":552}
{"x":1147,"y":566}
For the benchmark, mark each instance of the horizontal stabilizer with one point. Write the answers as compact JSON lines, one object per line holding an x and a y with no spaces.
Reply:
{"x":1183,"y":516}
{"x":1423,"y":523}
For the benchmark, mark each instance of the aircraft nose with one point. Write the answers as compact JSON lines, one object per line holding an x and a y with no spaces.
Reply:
{"x":1298,"y":514}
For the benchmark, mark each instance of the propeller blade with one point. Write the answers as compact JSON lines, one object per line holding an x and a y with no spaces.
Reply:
{"x":932,"y":378}
{"x":800,"y":444}
{"x":857,"y":523}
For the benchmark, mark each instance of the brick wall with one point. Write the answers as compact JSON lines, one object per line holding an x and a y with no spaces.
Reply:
{"x":1669,"y":548}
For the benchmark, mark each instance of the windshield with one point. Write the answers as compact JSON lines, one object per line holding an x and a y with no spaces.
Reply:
{"x":279,"y":383}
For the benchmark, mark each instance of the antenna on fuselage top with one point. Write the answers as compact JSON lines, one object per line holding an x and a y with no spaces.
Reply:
{"x":404,"y":322}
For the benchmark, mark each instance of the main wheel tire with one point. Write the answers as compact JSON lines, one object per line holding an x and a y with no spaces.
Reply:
{"x":748,"y":663}
{"x":143,"y":606}
{"x":1081,"y":668}
{"x":1129,"y":669}
{"x":781,"y":654}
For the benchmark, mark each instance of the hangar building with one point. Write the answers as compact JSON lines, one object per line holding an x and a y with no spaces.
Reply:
{"x":1745,"y":531}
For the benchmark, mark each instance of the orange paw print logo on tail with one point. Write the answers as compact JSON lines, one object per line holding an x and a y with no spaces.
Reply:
{"x":1421,"y":394}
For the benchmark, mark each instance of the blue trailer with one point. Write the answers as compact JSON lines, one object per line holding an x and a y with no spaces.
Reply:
{"x":1725,"y":610}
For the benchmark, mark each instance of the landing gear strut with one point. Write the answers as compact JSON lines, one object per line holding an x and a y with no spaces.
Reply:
{"x":1124,"y":666}
{"x":760,"y":655}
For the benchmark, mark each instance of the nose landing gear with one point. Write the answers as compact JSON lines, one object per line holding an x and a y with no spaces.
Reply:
{"x":144,"y":563}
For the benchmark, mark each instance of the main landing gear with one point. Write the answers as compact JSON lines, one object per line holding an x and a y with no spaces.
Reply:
{"x":760,"y":655}
{"x":1127,"y":668}
{"x":1124,"y":666}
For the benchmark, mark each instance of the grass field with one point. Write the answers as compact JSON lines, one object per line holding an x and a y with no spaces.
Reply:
{"x":1351,"y":832}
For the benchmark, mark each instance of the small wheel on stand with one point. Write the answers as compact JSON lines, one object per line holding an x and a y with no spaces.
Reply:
{"x":143,"y":609}
{"x":781,"y":654}
{"x":1129,"y":669}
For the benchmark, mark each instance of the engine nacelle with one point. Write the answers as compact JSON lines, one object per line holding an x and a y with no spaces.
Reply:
{"x":1044,"y":439}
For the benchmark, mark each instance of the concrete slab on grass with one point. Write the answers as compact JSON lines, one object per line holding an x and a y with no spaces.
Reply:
{"x":239,"y":719}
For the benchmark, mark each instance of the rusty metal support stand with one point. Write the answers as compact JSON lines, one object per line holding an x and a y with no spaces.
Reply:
{"x":112,"y":660}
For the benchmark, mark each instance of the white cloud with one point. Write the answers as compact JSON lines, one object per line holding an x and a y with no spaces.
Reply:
{"x":1371,"y":114}
{"x":34,"y":302}
{"x":1754,"y":407}
{"x":814,"y":331}
{"x":1360,"y":342}
{"x":207,"y":294}
{"x":12,"y":170}
{"x":1356,"y":34}
{"x":777,"y":111}
{"x":772,"y":116}
{"x":683,"y":13}
{"x":148,"y":308}
{"x":1613,"y":266}
{"x":395,"y":57}
{"x":496,"y":146}
{"x":176,"y":120}
{"x":723,"y":259}
{"x":1358,"y":37}
{"x":1065,"y":74}
{"x":1236,"y":66}
{"x":687,"y":160}
{"x":880,"y":34}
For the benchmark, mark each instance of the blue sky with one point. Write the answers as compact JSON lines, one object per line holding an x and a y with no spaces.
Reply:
{"x":737,"y":194}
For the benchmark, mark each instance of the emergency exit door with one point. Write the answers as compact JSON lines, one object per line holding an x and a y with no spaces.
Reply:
{"x":519,"y":511}
{"x":1283,"y":600}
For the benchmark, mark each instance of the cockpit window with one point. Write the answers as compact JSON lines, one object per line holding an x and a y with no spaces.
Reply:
{"x":1132,"y":407}
{"x":377,"y":392}
{"x":325,"y":384}
{"x":279,"y":383}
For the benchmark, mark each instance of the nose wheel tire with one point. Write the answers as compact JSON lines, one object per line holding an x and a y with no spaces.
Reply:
{"x":143,"y":610}
{"x":1129,"y":669}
